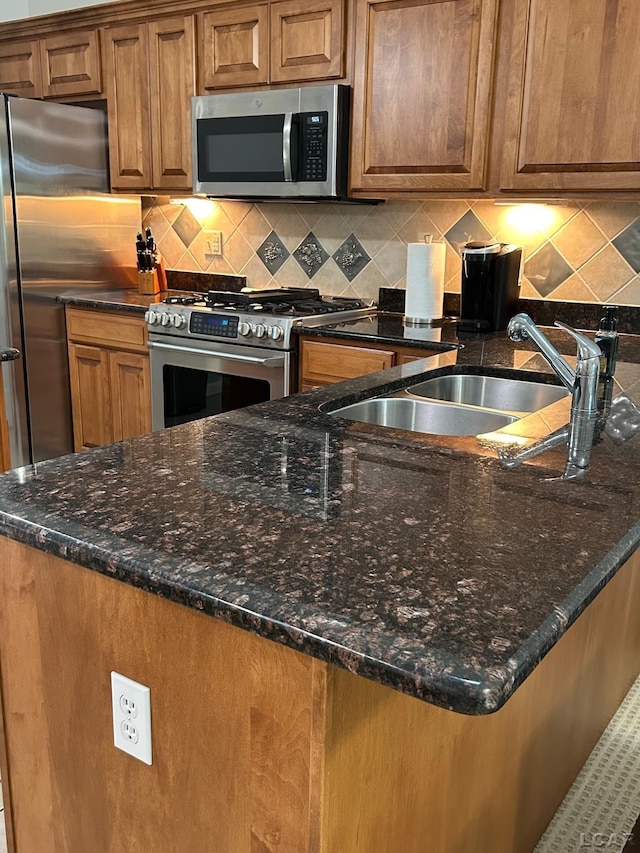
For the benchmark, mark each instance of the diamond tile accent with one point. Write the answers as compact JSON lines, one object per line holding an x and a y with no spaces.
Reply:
{"x":273,"y":253}
{"x":628,"y":244}
{"x":465,"y":229}
{"x":187,"y":227}
{"x":350,"y":257}
{"x":310,"y":254}
{"x":547,"y":269}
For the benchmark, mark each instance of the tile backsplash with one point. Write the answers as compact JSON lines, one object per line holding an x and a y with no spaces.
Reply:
{"x":578,"y":251}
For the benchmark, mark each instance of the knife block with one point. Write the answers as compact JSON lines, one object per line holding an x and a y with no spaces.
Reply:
{"x":148,"y":283}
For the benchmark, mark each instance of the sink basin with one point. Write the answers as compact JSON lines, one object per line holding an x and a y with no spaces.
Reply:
{"x":425,"y":416}
{"x":490,"y":392}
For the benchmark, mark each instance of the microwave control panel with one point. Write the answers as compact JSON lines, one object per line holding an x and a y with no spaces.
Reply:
{"x":314,"y":129}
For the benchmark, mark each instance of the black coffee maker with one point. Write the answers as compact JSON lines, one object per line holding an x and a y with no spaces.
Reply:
{"x":490,"y":286}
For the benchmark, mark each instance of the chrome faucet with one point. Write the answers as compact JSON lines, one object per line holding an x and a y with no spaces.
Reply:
{"x":583,"y":384}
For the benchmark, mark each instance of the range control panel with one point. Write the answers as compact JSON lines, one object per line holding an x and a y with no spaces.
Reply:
{"x":314,"y":129}
{"x":213,"y":325}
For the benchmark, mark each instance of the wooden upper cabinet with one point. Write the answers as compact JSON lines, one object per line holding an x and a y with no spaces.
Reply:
{"x":571,"y":118}
{"x":149,"y":75}
{"x":422,"y":92}
{"x":234,"y":47}
{"x":126,"y":74}
{"x":70,"y":64}
{"x":307,"y":39}
{"x":20,"y":69}
{"x":172,"y":83}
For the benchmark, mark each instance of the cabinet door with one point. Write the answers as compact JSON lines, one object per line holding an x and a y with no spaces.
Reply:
{"x":130,"y":394}
{"x":235,"y":47}
{"x":322,"y":364}
{"x":173,"y":82}
{"x":307,"y":40}
{"x":20,"y":69}
{"x":126,"y":80}
{"x":422,"y":94}
{"x":90,"y":396}
{"x":70,"y":64}
{"x":572,"y":121}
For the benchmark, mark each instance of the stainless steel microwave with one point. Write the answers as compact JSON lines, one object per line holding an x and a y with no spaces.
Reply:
{"x":285,"y":143}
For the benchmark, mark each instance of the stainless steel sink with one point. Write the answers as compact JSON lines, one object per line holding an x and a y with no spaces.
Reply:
{"x":490,"y":392}
{"x":425,"y":416}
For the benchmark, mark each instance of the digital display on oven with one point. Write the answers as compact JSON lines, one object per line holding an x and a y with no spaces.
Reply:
{"x":214,"y":325}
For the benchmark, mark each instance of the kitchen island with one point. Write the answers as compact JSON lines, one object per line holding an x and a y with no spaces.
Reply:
{"x":412,"y":648}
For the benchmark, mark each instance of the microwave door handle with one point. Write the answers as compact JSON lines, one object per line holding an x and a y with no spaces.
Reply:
{"x":286,"y":146}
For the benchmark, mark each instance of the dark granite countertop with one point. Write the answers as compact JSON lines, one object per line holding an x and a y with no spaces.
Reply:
{"x":414,"y":560}
{"x":130,"y":300}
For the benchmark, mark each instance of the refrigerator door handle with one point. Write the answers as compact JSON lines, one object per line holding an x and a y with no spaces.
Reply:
{"x":9,"y":354}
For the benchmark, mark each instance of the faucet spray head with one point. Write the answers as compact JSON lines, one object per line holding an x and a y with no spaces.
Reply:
{"x":517,"y":328}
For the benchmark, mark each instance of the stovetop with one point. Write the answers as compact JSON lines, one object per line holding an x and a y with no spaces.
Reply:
{"x":257,"y":318}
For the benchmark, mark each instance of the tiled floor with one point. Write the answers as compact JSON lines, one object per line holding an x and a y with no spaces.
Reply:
{"x":601,"y":808}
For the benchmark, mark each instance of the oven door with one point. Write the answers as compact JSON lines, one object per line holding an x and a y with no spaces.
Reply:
{"x":196,"y":379}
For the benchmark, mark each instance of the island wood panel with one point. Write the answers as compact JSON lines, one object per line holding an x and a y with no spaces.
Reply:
{"x":252,"y":745}
{"x":70,"y":63}
{"x":20,"y":69}
{"x":573,"y":78}
{"x":404,"y":775}
{"x":172,"y":74}
{"x":307,"y":40}
{"x":126,"y":80}
{"x":422,"y":95}
{"x":236,"y":721}
{"x":130,"y":394}
{"x":233,"y":48}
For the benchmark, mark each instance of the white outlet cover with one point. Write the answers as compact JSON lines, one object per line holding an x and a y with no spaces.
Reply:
{"x":131,"y":708}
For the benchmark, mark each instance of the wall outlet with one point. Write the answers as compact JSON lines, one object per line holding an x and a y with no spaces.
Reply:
{"x":214,"y":242}
{"x":131,"y":706}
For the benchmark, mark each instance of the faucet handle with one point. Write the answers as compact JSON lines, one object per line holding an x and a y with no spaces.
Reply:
{"x":586,"y":347}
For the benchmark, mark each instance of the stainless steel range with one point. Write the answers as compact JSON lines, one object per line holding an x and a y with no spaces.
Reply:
{"x":215,"y":352}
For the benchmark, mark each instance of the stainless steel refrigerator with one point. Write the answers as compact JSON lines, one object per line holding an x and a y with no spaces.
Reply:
{"x":60,"y":231}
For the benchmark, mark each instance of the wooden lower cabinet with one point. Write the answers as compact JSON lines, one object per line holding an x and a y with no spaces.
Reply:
{"x":110,"y":382}
{"x":257,"y":747}
{"x":328,"y":361}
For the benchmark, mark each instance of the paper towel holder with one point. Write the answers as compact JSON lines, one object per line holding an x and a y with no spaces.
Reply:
{"x":417,"y":314}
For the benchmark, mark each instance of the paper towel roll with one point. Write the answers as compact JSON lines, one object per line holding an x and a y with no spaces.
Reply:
{"x":425,"y":281}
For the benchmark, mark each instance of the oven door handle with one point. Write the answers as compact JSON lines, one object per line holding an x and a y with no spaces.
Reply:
{"x":269,"y":361}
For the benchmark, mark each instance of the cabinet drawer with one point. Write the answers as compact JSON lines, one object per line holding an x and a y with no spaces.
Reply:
{"x":326,"y":363}
{"x":109,"y":329}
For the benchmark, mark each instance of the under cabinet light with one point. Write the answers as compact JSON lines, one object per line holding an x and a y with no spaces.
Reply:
{"x":201,"y":208}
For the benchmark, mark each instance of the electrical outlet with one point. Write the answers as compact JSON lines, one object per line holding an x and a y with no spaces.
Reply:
{"x":214,"y":242}
{"x":131,"y":706}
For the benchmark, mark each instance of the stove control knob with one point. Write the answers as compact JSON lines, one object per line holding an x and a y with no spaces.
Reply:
{"x":178,"y":321}
{"x":275,"y":333}
{"x":151,"y":317}
{"x":244,"y":329}
{"x":259,"y":330}
{"x":165,"y":319}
